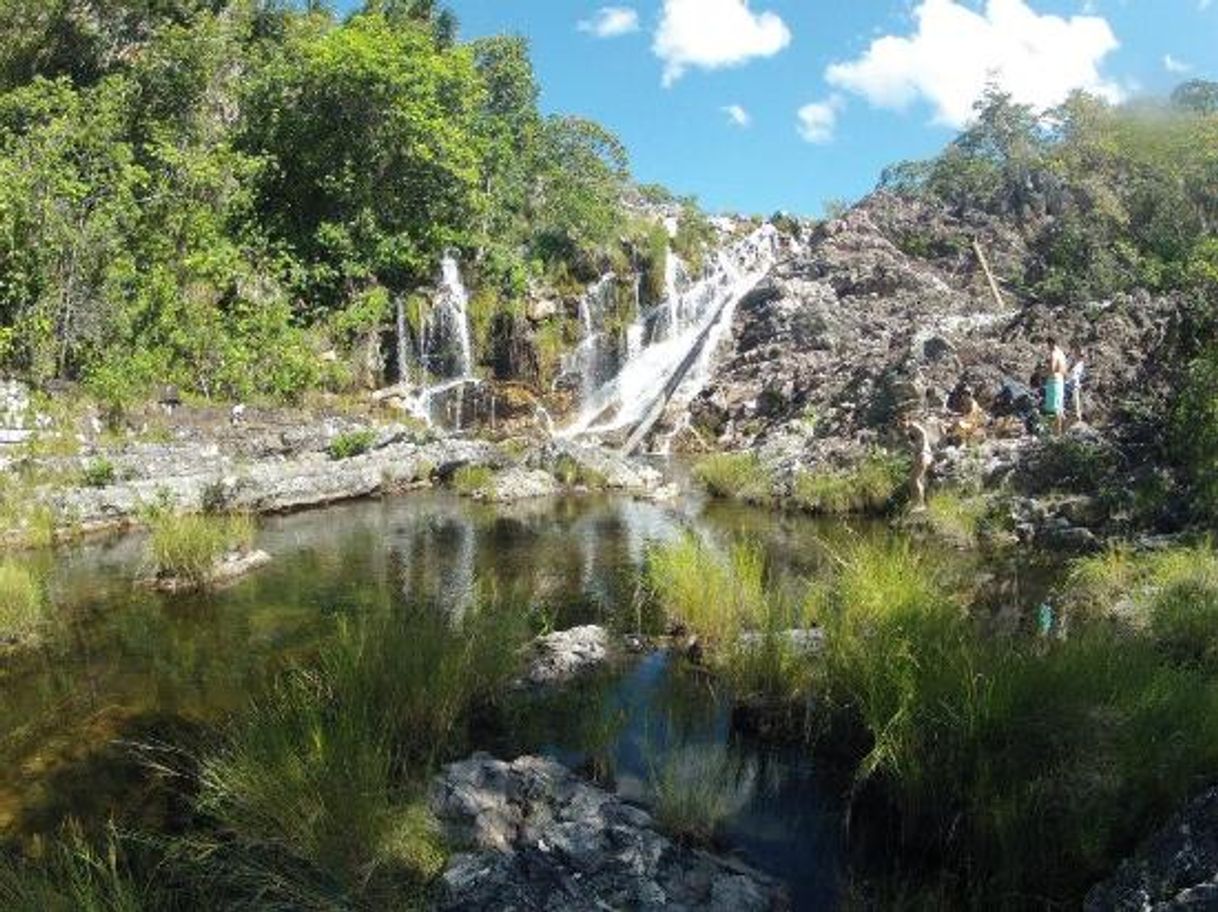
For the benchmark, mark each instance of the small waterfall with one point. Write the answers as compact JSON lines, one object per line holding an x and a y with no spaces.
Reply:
{"x":683,"y":332}
{"x":445,"y":351}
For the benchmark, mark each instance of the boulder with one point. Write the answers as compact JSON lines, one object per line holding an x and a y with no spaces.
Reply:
{"x":538,"y":837}
{"x":563,"y":655}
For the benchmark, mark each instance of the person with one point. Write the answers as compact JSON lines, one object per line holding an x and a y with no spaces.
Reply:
{"x":1055,"y":386}
{"x":1074,"y":384}
{"x":923,"y":459}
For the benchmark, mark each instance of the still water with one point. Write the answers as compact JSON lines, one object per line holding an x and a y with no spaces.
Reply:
{"x":128,"y":669}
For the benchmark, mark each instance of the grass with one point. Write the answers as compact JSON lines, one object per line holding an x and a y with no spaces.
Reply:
{"x":331,"y":764}
{"x":22,"y":602}
{"x":472,"y":480}
{"x":189,"y":546}
{"x":98,"y":473}
{"x":1017,"y":768}
{"x":352,"y":443}
{"x":74,"y":876}
{"x":697,"y":788}
{"x":572,"y":473}
{"x":955,"y":517}
{"x":871,"y":486}
{"x":736,"y":476}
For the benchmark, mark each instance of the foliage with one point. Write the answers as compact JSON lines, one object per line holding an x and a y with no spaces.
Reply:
{"x":697,"y":788}
{"x":473,"y":480}
{"x":99,"y":473}
{"x":1193,"y":438}
{"x":22,"y":601}
{"x":739,"y":476}
{"x":868,"y":487}
{"x":351,"y":443}
{"x":188,"y":547}
{"x":573,"y":473}
{"x":956,"y":517}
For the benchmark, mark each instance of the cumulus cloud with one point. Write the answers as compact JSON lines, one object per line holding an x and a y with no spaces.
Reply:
{"x":715,"y":33}
{"x":611,"y":22}
{"x":818,"y":120}
{"x":1172,"y":65}
{"x":955,"y":51}
{"x":737,"y":116}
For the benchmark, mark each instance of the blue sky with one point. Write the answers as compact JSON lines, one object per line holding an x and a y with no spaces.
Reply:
{"x":877,"y":81}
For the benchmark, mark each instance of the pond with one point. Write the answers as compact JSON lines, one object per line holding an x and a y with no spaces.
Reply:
{"x":128,"y":669}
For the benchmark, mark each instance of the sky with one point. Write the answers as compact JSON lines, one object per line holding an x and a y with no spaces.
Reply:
{"x":758,"y":106}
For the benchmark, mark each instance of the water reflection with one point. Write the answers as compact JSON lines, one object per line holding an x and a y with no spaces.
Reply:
{"x":126,"y":665}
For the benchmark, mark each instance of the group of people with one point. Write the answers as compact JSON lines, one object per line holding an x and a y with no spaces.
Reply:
{"x":1062,"y":390}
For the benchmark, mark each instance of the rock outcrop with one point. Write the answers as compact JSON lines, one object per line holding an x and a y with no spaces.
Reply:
{"x":1176,"y":869}
{"x":540,"y":838}
{"x":564,"y":654}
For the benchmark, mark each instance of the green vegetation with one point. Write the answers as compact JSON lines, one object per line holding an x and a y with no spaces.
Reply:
{"x":871,"y":486}
{"x":737,"y":476}
{"x":956,"y":517}
{"x":22,"y":602}
{"x":351,"y":443}
{"x":188,"y":547}
{"x":99,"y":473}
{"x":573,"y":473}
{"x":213,"y":194}
{"x":697,"y":788}
{"x":473,"y":480}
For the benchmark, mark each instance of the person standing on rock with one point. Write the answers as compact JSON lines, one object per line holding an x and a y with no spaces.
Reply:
{"x":1074,"y":384}
{"x":923,"y":459}
{"x":1055,"y":386}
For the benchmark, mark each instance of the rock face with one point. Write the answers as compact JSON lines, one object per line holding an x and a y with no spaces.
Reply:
{"x":887,"y":309}
{"x":1177,"y":868}
{"x":563,"y":655}
{"x":540,"y":838}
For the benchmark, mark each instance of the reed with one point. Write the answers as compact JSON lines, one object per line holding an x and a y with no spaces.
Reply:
{"x":188,"y":546}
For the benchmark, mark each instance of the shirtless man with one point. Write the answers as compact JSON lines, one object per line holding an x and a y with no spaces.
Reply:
{"x":1055,"y":386}
{"x":923,"y":459}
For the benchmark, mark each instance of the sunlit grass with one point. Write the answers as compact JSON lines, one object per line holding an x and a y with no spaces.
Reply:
{"x":189,"y":546}
{"x":697,"y":788}
{"x":22,"y":602}
{"x":871,"y":486}
{"x":736,"y":476}
{"x":955,"y":517}
{"x":472,"y":480}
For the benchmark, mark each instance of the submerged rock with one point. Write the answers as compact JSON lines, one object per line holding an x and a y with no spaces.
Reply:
{"x":1177,"y":868}
{"x":564,"y":654}
{"x":540,"y":838}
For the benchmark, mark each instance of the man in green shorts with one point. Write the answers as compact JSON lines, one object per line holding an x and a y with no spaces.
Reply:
{"x":1055,"y":386}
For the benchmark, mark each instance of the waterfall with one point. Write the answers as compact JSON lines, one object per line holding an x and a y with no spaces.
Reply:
{"x":445,"y":351}
{"x":692,"y":320}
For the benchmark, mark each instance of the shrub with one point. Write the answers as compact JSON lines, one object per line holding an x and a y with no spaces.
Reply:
{"x":99,"y":473}
{"x":22,"y":603}
{"x":697,"y":788}
{"x":352,"y":443}
{"x":869,"y":487}
{"x":739,"y":476}
{"x":473,"y":480}
{"x":188,"y":547}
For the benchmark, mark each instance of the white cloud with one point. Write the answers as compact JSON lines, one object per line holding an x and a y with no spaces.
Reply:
{"x":715,"y":33}
{"x":737,"y":115}
{"x":818,"y":120}
{"x":1172,"y":65}
{"x":611,"y":22}
{"x":955,"y":51}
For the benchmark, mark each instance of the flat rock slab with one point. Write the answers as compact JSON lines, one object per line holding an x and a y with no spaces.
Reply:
{"x":1176,"y":869}
{"x":563,"y":655}
{"x":228,"y":571}
{"x":541,"y":838}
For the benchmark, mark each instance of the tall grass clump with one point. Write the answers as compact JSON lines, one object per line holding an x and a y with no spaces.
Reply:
{"x":351,"y":443}
{"x":188,"y":547}
{"x":1015,"y":768}
{"x":697,"y":788}
{"x":955,"y":517}
{"x":735,"y":476}
{"x":330,"y":765}
{"x":22,"y":602}
{"x":473,"y":480}
{"x":871,"y":486}
{"x":74,"y":876}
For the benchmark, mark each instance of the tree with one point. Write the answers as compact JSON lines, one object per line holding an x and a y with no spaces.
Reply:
{"x":1198,"y":96}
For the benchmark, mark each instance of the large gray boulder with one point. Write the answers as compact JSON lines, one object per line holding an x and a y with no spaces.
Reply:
{"x":564,"y":654}
{"x":1176,"y":869}
{"x":538,"y":837}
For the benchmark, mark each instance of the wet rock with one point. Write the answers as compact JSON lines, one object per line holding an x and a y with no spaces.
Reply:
{"x":230,"y":569}
{"x":520,"y":483}
{"x":563,"y":655}
{"x":540,"y":838}
{"x":1177,"y":868}
{"x":600,"y":467}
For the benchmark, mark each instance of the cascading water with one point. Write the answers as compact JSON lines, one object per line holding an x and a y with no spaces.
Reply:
{"x":445,"y":351}
{"x":682,"y":333}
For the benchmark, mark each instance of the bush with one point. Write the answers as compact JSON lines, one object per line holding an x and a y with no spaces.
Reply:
{"x":738,"y":476}
{"x":99,"y":473}
{"x":22,"y":603}
{"x":697,"y":789}
{"x":869,"y":487}
{"x":473,"y":480}
{"x":352,"y":443}
{"x":188,"y":547}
